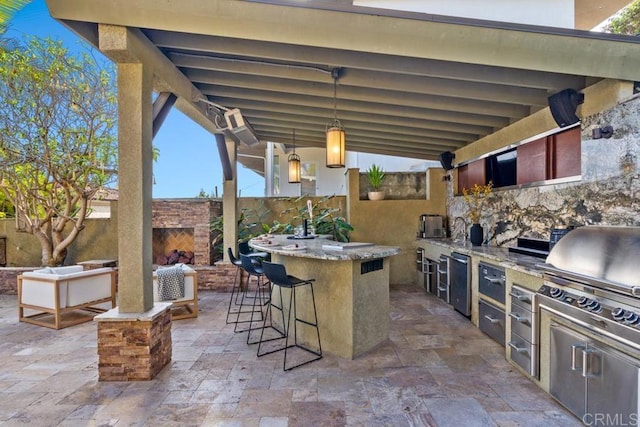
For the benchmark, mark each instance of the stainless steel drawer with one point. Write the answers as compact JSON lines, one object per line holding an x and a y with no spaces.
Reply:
{"x":524,"y":354}
{"x":492,"y":321}
{"x":521,"y":322}
{"x":522,"y":297}
{"x":492,"y":281}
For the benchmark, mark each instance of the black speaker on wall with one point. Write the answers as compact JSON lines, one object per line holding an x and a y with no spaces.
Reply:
{"x":563,"y":107}
{"x":446,"y":160}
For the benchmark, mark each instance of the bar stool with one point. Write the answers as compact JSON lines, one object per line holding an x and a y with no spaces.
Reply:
{"x":277,"y":275}
{"x":261,"y":297}
{"x":237,"y":304}
{"x":234,"y":291}
{"x":245,"y":249}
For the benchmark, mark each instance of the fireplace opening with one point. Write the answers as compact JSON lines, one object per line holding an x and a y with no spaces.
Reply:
{"x":173,"y":245}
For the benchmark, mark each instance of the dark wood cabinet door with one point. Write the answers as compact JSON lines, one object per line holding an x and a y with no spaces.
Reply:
{"x":566,"y":154}
{"x":471,"y":173}
{"x":532,"y":161}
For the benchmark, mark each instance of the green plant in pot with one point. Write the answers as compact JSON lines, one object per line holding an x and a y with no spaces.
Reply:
{"x":375,"y":176}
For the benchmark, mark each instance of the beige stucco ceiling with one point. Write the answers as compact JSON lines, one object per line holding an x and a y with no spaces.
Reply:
{"x":411,"y":84}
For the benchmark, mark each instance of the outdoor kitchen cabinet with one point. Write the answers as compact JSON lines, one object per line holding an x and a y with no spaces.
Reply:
{"x":523,"y":326}
{"x":593,"y":380}
{"x":491,"y":302}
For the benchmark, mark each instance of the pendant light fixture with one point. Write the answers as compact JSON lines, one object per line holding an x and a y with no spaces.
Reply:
{"x":335,"y":130}
{"x":294,"y":164}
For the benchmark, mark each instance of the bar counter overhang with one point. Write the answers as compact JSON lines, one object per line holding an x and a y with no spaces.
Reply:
{"x":351,"y":290}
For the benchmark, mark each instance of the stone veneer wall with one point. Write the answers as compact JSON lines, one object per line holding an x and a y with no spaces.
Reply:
{"x":189,"y":213}
{"x":134,"y":350}
{"x":607,"y":193}
{"x":398,"y":186}
{"x":9,"y":279}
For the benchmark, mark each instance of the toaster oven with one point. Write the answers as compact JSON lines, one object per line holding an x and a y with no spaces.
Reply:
{"x":431,"y":226}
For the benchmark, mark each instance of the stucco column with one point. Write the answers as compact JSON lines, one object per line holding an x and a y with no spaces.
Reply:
{"x":135,"y":291}
{"x":230,"y":202}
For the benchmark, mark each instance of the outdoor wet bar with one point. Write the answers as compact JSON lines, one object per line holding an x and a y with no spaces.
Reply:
{"x":351,"y":288}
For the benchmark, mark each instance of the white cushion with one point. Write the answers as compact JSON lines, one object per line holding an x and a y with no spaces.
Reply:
{"x":76,"y":286}
{"x":41,"y":293}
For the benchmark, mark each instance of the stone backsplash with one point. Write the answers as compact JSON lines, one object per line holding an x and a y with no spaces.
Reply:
{"x":607,"y":193}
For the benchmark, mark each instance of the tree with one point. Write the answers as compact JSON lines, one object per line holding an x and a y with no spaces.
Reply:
{"x":627,"y":22}
{"x":58,"y":142}
{"x":7,"y":9}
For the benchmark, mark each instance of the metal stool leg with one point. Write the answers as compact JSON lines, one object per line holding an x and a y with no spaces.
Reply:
{"x":234,"y":292}
{"x":269,"y":316}
{"x":277,"y":274}
{"x":250,"y":303}
{"x":296,"y":320}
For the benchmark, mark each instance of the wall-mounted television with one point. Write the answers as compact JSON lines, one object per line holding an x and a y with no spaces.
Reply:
{"x":501,"y":168}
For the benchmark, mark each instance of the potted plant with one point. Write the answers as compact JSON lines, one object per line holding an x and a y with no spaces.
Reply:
{"x":375,"y":176}
{"x":476,"y":197}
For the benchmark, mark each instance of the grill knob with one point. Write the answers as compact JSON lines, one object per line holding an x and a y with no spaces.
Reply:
{"x":557,"y":293}
{"x":618,"y":314}
{"x":594,"y":306}
{"x":583,"y":302}
{"x":631,"y":318}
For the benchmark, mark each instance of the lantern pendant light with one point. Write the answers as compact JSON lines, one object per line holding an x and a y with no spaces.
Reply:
{"x":335,"y":131}
{"x":294,"y":164}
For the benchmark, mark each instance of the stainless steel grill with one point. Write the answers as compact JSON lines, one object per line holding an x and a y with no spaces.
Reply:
{"x":592,"y":274}
{"x":592,"y":293}
{"x":603,"y":257}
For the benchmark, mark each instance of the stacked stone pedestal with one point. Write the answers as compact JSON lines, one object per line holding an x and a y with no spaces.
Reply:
{"x":134,"y":346}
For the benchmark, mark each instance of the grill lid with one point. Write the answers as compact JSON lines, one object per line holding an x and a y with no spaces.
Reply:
{"x":607,"y":254}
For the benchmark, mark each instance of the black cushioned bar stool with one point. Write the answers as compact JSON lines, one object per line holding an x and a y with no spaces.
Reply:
{"x":245,"y":249}
{"x":277,"y":275}
{"x":253,"y":267}
{"x":239,"y":303}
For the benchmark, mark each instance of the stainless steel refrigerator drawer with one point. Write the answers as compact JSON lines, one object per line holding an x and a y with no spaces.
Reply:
{"x":492,"y":281}
{"x":522,"y":297}
{"x":492,"y":321}
{"x":521,"y":321}
{"x":524,"y":354}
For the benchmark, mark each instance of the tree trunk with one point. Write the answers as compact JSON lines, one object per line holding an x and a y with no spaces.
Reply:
{"x":47,"y":248}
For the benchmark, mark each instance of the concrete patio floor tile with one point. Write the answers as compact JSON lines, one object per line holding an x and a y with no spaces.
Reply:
{"x":435,"y":367}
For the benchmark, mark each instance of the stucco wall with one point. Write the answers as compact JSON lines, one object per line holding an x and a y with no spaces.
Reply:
{"x":395,"y":222}
{"x":98,"y":240}
{"x":385,"y":222}
{"x":552,"y":13}
{"x":270,"y":209}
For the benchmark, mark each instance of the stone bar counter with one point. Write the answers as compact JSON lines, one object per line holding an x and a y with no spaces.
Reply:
{"x":351,"y":289}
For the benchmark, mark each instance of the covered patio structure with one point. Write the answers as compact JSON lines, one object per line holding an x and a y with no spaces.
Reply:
{"x":409,"y":84}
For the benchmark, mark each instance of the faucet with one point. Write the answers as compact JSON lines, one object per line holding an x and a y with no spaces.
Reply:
{"x":464,"y":230}
{"x":487,"y":235}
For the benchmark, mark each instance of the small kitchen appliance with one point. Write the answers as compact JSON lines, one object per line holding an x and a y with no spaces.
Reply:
{"x":431,"y":226}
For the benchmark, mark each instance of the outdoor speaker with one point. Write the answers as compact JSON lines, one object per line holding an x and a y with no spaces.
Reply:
{"x":563,"y":107}
{"x":446,"y":160}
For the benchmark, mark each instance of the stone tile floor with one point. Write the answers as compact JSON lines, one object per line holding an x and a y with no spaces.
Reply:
{"x":435,"y":370}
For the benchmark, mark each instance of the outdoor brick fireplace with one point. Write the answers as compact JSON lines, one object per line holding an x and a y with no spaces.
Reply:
{"x":183,"y":225}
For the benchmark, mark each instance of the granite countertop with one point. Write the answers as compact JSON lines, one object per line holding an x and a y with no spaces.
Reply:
{"x":312,"y":248}
{"x":499,"y":254}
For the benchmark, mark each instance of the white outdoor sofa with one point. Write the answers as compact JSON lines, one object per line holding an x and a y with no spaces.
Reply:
{"x":187,"y":306}
{"x":58,"y":297}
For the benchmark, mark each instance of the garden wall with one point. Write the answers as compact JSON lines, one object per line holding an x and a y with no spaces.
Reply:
{"x":99,"y":239}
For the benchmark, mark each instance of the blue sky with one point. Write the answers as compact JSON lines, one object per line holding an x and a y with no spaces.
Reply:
{"x":188,"y":159}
